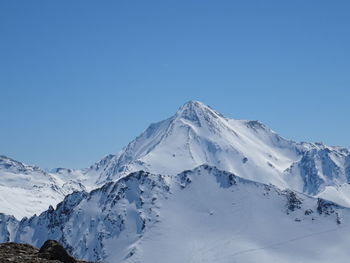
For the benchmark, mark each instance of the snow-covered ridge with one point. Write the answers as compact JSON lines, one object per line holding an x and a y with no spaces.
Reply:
{"x":200,"y":214}
{"x":26,"y":190}
{"x":196,"y":187}
{"x":11,"y":165}
{"x":195,"y":135}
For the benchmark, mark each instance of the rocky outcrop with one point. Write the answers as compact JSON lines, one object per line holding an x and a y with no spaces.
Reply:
{"x":50,"y":252}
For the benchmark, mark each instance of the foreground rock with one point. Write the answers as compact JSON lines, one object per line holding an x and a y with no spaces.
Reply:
{"x":50,"y":252}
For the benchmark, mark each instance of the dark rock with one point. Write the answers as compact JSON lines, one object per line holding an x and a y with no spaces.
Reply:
{"x":308,"y":212}
{"x":338,"y":219}
{"x":293,"y":202}
{"x":24,"y":253}
{"x":55,"y":251}
{"x":325,"y":207}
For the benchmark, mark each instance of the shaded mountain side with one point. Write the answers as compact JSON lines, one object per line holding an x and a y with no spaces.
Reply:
{"x":190,"y":217}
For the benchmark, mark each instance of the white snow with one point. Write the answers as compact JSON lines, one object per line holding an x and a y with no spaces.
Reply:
{"x":218,"y":212}
{"x":27,"y":190}
{"x":195,"y":135}
{"x":204,"y":215}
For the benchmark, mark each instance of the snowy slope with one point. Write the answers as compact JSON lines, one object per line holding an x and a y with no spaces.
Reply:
{"x":197,"y":135}
{"x":27,"y":190}
{"x":202,"y":215}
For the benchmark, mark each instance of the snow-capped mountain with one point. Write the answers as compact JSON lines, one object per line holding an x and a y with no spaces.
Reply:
{"x":27,"y":190}
{"x":196,"y":187}
{"x":202,"y":215}
{"x":197,"y":135}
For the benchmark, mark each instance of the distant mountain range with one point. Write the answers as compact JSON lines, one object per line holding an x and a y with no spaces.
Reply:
{"x":196,"y":187}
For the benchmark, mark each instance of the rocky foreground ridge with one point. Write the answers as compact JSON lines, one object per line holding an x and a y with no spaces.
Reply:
{"x":50,"y":252}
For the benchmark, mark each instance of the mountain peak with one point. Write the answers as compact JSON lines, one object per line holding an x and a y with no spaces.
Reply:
{"x":192,"y":105}
{"x":195,"y":110}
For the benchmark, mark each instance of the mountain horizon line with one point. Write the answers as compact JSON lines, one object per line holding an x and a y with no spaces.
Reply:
{"x":189,"y":103}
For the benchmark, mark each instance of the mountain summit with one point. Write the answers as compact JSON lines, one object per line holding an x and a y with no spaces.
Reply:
{"x":193,"y":110}
{"x":196,"y":187}
{"x":196,"y":134}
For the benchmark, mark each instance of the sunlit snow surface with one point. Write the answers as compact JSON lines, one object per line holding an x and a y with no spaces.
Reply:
{"x":204,"y":215}
{"x":27,"y":190}
{"x":197,"y":135}
{"x":243,"y":203}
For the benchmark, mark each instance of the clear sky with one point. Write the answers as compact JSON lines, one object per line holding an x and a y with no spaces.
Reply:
{"x":80,"y":79}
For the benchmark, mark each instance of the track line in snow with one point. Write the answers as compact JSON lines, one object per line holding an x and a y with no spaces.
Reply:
{"x":284,"y":242}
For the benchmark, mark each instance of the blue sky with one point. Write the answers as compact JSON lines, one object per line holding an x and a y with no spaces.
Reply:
{"x":80,"y":79}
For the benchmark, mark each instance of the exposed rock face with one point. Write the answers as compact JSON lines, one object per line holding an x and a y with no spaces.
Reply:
{"x":50,"y":252}
{"x":55,"y":251}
